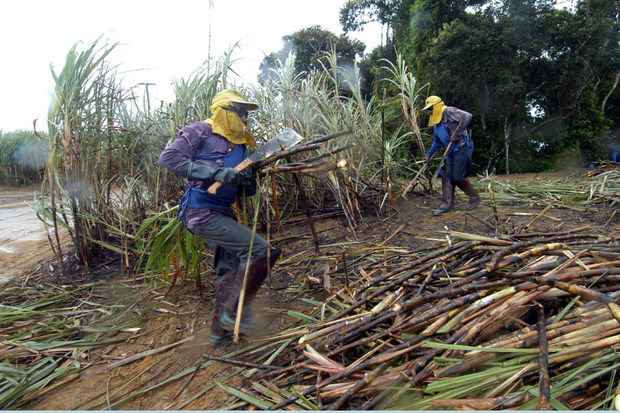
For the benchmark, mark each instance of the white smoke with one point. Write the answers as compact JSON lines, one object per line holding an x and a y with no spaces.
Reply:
{"x":79,"y":191}
{"x":349,"y":78}
{"x":32,"y":154}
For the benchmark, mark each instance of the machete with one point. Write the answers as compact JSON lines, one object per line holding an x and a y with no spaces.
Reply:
{"x":414,"y":181}
{"x":443,"y":159}
{"x":283,"y":140}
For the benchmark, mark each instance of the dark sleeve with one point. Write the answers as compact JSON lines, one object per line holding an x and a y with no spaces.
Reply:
{"x":463,"y":118}
{"x":178,"y":154}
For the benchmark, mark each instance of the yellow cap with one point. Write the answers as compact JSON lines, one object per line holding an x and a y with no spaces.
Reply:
{"x":431,"y":101}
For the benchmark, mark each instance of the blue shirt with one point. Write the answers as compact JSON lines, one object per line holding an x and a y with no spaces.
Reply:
{"x":441,"y":139}
{"x":198,"y":141}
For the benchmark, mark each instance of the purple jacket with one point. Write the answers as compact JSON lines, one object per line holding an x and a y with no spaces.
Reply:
{"x":180,"y":153}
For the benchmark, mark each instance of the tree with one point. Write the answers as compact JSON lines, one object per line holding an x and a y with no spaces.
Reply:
{"x":310,"y":45}
{"x":372,"y":68}
{"x":271,"y":61}
{"x":355,"y":14}
{"x":539,"y":79}
{"x":586,"y":67}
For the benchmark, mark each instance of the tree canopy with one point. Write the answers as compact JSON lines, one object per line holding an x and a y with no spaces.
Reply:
{"x":310,"y":45}
{"x":357,"y":13}
{"x":539,"y":79}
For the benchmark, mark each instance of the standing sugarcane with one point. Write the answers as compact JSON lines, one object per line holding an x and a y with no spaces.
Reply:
{"x":450,"y":131}
{"x":210,"y":154}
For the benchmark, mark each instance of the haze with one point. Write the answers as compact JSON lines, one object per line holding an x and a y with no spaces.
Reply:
{"x":160,"y":41}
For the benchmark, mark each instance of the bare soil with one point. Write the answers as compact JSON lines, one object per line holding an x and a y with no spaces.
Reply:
{"x":23,"y":241}
{"x":185,"y":311}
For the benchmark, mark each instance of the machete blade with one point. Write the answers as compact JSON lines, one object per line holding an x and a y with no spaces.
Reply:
{"x":286,"y":139}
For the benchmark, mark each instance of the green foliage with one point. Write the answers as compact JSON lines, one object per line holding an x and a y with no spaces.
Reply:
{"x":538,"y":78}
{"x":354,"y":14}
{"x":163,"y":239}
{"x":103,"y":176}
{"x":193,"y":94}
{"x":22,"y":157}
{"x":372,"y":68}
{"x":314,"y":105}
{"x":309,"y":46}
{"x":587,"y":127}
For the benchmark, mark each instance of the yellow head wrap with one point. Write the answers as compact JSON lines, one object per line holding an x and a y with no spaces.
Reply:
{"x":226,"y":122}
{"x":438,"y":107}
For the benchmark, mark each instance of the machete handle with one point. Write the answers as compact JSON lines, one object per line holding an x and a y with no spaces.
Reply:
{"x":245,"y":164}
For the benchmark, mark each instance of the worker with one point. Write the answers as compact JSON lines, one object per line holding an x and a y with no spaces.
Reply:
{"x":614,"y":152}
{"x":205,"y":153}
{"x":450,"y":125}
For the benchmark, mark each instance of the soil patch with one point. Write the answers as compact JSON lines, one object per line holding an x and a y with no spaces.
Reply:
{"x":166,"y":380}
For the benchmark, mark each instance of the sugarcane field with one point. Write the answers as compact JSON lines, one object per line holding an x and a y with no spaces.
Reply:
{"x":328,"y":205}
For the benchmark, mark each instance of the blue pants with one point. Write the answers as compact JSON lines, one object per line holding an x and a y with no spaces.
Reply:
{"x":458,"y":164}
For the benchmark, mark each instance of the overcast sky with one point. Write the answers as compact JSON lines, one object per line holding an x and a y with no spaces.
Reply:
{"x":160,"y":40}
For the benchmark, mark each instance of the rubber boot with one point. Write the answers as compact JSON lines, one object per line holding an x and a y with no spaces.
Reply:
{"x":229,"y":307}
{"x":256,"y":276}
{"x":447,"y":202}
{"x":228,"y":320}
{"x":468,"y":188}
{"x":218,"y":334}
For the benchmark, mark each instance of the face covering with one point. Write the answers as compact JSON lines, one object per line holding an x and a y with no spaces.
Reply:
{"x":225,"y":119}
{"x":437,"y":114}
{"x":438,"y":106}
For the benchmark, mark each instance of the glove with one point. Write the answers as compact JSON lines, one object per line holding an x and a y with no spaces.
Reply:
{"x":454,"y":138}
{"x":227,"y":176}
{"x":247,"y":177}
{"x":206,"y":171}
{"x":247,"y":181}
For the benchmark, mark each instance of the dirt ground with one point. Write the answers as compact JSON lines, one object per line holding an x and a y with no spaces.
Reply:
{"x":185,"y":312}
{"x":23,"y":241}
